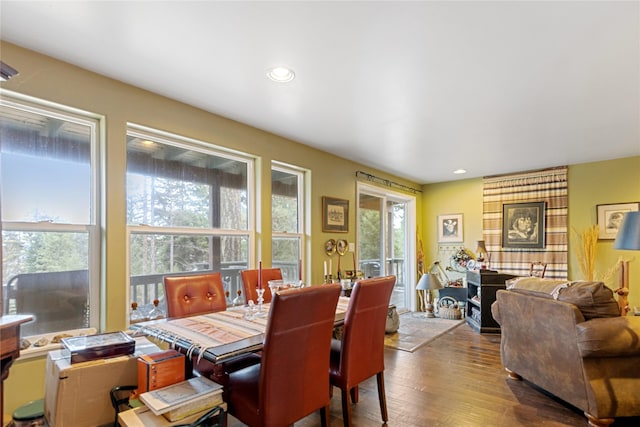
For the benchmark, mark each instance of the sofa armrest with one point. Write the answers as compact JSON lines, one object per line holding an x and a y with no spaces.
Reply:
{"x":495,"y":312}
{"x":609,"y":337}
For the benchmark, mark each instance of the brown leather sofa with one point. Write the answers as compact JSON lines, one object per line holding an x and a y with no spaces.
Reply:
{"x":569,"y":339}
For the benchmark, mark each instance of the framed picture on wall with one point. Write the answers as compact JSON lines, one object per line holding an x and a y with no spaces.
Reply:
{"x":450,"y":228}
{"x":610,"y":217}
{"x":335,"y":215}
{"x":523,"y":225}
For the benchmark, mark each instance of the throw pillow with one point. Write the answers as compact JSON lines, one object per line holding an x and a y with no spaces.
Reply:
{"x":594,"y":299}
{"x":547,"y":288}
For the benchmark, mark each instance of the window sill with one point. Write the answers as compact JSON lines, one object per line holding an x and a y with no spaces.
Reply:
{"x":32,"y":351}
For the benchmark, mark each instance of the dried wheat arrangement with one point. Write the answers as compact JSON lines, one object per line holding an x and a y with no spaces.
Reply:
{"x":586,"y":251}
{"x":611,"y":276}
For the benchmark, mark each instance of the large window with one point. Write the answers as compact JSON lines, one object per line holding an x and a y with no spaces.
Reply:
{"x":188,"y":210}
{"x":48,"y":193}
{"x":287,"y":216}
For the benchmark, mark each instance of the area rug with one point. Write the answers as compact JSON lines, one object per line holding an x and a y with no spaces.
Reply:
{"x":416,"y":330}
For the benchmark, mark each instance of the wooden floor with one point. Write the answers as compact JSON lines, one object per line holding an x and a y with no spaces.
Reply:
{"x":456,"y":380}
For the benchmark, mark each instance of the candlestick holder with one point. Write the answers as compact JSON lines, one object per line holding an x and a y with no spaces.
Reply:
{"x":328,"y":278}
{"x":260,"y":298}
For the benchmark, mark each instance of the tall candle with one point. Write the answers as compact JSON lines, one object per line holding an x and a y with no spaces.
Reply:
{"x":354,"y":261}
{"x":330,"y":267}
{"x":325,"y":268}
{"x":339,"y":256}
{"x":260,"y":275}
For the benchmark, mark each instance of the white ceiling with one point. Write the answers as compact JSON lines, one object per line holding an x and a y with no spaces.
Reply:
{"x":415,"y":88}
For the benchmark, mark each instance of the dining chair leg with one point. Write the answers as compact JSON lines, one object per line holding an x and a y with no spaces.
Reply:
{"x":324,"y":416}
{"x":382,"y":397}
{"x":355,"y":394}
{"x":346,"y":408}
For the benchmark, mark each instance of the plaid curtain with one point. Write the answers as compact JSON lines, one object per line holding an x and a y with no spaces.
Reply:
{"x":550,"y":186}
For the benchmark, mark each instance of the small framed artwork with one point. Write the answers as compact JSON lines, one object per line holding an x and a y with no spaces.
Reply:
{"x":610,"y":217}
{"x":523,"y":225}
{"x":335,"y":215}
{"x":450,"y":228}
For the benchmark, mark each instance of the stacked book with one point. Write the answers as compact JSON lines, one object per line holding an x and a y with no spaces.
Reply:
{"x":185,"y":398}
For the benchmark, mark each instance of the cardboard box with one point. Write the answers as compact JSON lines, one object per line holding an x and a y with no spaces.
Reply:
{"x":160,"y":369}
{"x":78,"y":394}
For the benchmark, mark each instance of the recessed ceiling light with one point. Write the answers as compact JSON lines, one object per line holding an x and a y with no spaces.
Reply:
{"x":460,"y":171}
{"x":281,"y":74}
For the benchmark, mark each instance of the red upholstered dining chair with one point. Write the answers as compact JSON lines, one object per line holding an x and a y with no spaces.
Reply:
{"x":292,"y":380}
{"x":190,"y":295}
{"x":360,"y":353}
{"x":250,"y":283}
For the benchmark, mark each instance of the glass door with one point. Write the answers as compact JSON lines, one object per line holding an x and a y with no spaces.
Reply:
{"x":386,"y":224}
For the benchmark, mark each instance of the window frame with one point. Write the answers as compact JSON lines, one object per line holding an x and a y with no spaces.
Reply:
{"x":301,"y":232}
{"x":183,"y":142}
{"x":96,"y":125}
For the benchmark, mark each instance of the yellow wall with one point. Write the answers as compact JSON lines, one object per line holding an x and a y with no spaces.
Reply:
{"x":455,"y":197}
{"x":55,"y":81}
{"x":591,"y":184}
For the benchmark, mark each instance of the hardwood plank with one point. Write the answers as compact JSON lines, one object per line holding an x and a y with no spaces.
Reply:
{"x":456,"y":380}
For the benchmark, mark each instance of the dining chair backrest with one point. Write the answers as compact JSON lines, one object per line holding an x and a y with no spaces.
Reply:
{"x":362,"y":349}
{"x":293,"y":377}
{"x":537,"y":269}
{"x":250,"y":283}
{"x":190,"y":295}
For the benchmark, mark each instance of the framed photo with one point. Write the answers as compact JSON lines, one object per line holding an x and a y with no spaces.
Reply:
{"x":523,"y":225}
{"x":335,"y":215}
{"x":450,"y":228}
{"x":610,"y":217}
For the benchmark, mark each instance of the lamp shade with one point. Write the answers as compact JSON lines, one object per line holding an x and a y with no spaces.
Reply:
{"x":428,"y":281}
{"x":481,"y":247}
{"x":628,"y":236}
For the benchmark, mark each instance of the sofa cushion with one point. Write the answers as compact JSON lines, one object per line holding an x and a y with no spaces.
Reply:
{"x":594,"y":299}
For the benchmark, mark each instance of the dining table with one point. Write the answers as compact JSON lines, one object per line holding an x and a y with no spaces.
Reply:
{"x":219,"y":336}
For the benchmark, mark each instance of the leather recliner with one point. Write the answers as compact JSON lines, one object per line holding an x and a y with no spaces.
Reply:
{"x":570,"y":340}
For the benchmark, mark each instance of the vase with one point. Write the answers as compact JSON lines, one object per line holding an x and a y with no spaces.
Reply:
{"x":393,"y":320}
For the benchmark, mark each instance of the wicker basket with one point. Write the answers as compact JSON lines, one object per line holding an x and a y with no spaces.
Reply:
{"x":448,"y":308}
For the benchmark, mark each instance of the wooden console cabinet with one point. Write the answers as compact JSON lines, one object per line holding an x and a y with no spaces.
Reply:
{"x":481,"y":293}
{"x":9,"y":348}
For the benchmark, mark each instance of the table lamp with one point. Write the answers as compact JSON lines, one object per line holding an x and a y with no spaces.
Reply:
{"x":427,"y":282}
{"x":481,"y":250}
{"x":628,"y":237}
